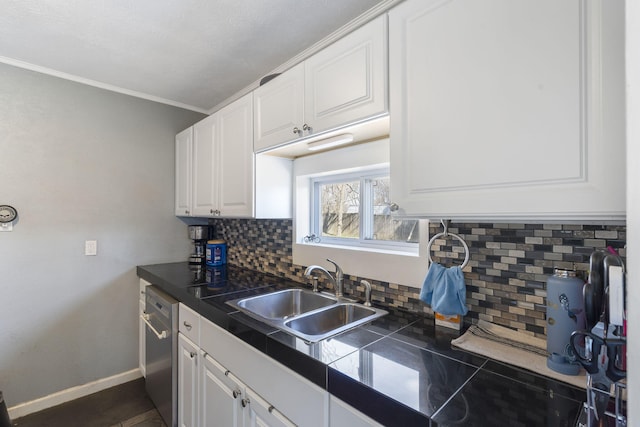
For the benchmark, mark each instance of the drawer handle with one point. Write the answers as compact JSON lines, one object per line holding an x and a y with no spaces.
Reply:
{"x":187,"y":325}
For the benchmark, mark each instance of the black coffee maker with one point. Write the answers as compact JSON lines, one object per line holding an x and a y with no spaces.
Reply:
{"x":200,"y":234}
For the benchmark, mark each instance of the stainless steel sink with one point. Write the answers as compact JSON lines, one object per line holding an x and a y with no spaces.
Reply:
{"x":309,"y":315}
{"x":283,"y":304}
{"x":330,"y":321}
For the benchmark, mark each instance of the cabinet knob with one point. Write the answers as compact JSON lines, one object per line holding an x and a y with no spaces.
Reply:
{"x":236,"y":394}
{"x":393,"y":207}
{"x":297,"y":131}
{"x":187,"y":325}
{"x":192,"y":354}
{"x":211,"y":211}
{"x":186,"y":212}
{"x":244,"y":402}
{"x":306,"y":128}
{"x":217,"y":212}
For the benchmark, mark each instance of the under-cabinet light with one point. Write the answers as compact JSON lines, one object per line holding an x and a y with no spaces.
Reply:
{"x":330,"y":142}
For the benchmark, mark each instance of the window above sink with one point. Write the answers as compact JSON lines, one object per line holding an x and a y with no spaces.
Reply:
{"x":386,"y":260}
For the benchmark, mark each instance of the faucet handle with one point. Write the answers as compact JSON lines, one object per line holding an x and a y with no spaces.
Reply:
{"x":338,"y":281}
{"x":367,"y":292}
{"x":338,"y":269}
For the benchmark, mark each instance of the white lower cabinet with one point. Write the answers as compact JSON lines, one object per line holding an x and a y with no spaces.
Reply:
{"x":341,"y":414}
{"x":273,"y":394}
{"x":227,"y":401}
{"x":188,"y":382}
{"x":220,"y":396}
{"x":222,"y":381}
{"x":261,"y":413}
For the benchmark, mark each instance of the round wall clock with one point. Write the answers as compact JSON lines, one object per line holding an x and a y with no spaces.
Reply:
{"x":7,"y":213}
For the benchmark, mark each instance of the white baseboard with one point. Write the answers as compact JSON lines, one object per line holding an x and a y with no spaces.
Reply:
{"x":72,"y":393}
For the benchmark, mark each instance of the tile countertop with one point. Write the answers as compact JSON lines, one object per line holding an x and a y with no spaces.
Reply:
{"x":399,"y":370}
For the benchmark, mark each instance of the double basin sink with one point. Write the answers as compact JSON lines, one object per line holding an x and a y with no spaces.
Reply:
{"x":311,"y":316}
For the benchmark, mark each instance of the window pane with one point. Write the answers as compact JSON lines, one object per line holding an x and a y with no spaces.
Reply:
{"x":340,"y":209}
{"x":386,"y":227}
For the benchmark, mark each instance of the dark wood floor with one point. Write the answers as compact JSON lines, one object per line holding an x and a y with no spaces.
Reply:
{"x":126,"y":405}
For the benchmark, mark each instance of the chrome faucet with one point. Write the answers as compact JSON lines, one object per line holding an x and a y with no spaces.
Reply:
{"x":337,"y":281}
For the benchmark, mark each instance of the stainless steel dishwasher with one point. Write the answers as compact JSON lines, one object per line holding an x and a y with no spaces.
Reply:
{"x":161,"y":336}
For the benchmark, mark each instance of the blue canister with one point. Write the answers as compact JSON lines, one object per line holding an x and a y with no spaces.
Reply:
{"x":216,"y":252}
{"x":565,"y":314}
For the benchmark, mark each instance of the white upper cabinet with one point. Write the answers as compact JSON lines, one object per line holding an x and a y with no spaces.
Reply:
{"x":205,"y":155}
{"x":343,"y":84}
{"x":347,"y":81}
{"x":214,"y":164}
{"x":507,"y":110}
{"x":279,"y":109}
{"x":217,"y":174}
{"x":235,"y":166}
{"x":184,"y":146}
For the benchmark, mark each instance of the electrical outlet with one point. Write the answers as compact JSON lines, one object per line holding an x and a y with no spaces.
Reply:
{"x":91,"y":247}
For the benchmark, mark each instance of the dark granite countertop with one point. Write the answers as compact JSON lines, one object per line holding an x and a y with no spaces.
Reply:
{"x":400,"y":369}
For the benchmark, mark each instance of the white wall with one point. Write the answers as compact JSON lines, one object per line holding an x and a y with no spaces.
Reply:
{"x":633,"y":205}
{"x":79,"y":163}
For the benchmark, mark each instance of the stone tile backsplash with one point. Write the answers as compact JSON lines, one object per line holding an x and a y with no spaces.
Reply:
{"x":506,"y":276}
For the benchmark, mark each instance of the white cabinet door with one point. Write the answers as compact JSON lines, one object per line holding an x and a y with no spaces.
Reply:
{"x":279,"y":109}
{"x":215,"y":168}
{"x":184,"y":141}
{"x":301,"y":401}
{"x":507,"y":110}
{"x":341,"y":414}
{"x":187,"y":382}
{"x":220,"y":397}
{"x":347,"y":81}
{"x":236,"y":158}
{"x":263,"y":414}
{"x":343,"y":84}
{"x":205,"y":155}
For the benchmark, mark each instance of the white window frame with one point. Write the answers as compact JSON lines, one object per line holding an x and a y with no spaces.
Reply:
{"x":366,"y":224}
{"x":394,"y":266}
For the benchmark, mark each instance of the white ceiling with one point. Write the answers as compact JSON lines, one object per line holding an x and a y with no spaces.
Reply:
{"x":190,"y":53}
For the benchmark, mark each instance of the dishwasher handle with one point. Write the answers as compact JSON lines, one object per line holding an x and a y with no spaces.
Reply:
{"x":161,"y":335}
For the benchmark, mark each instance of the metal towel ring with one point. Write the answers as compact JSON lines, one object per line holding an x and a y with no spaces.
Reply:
{"x":446,"y":233}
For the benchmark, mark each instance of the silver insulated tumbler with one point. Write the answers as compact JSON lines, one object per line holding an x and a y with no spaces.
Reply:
{"x":565,"y":314}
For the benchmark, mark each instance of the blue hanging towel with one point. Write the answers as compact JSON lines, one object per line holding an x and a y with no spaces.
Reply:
{"x":444,"y":290}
